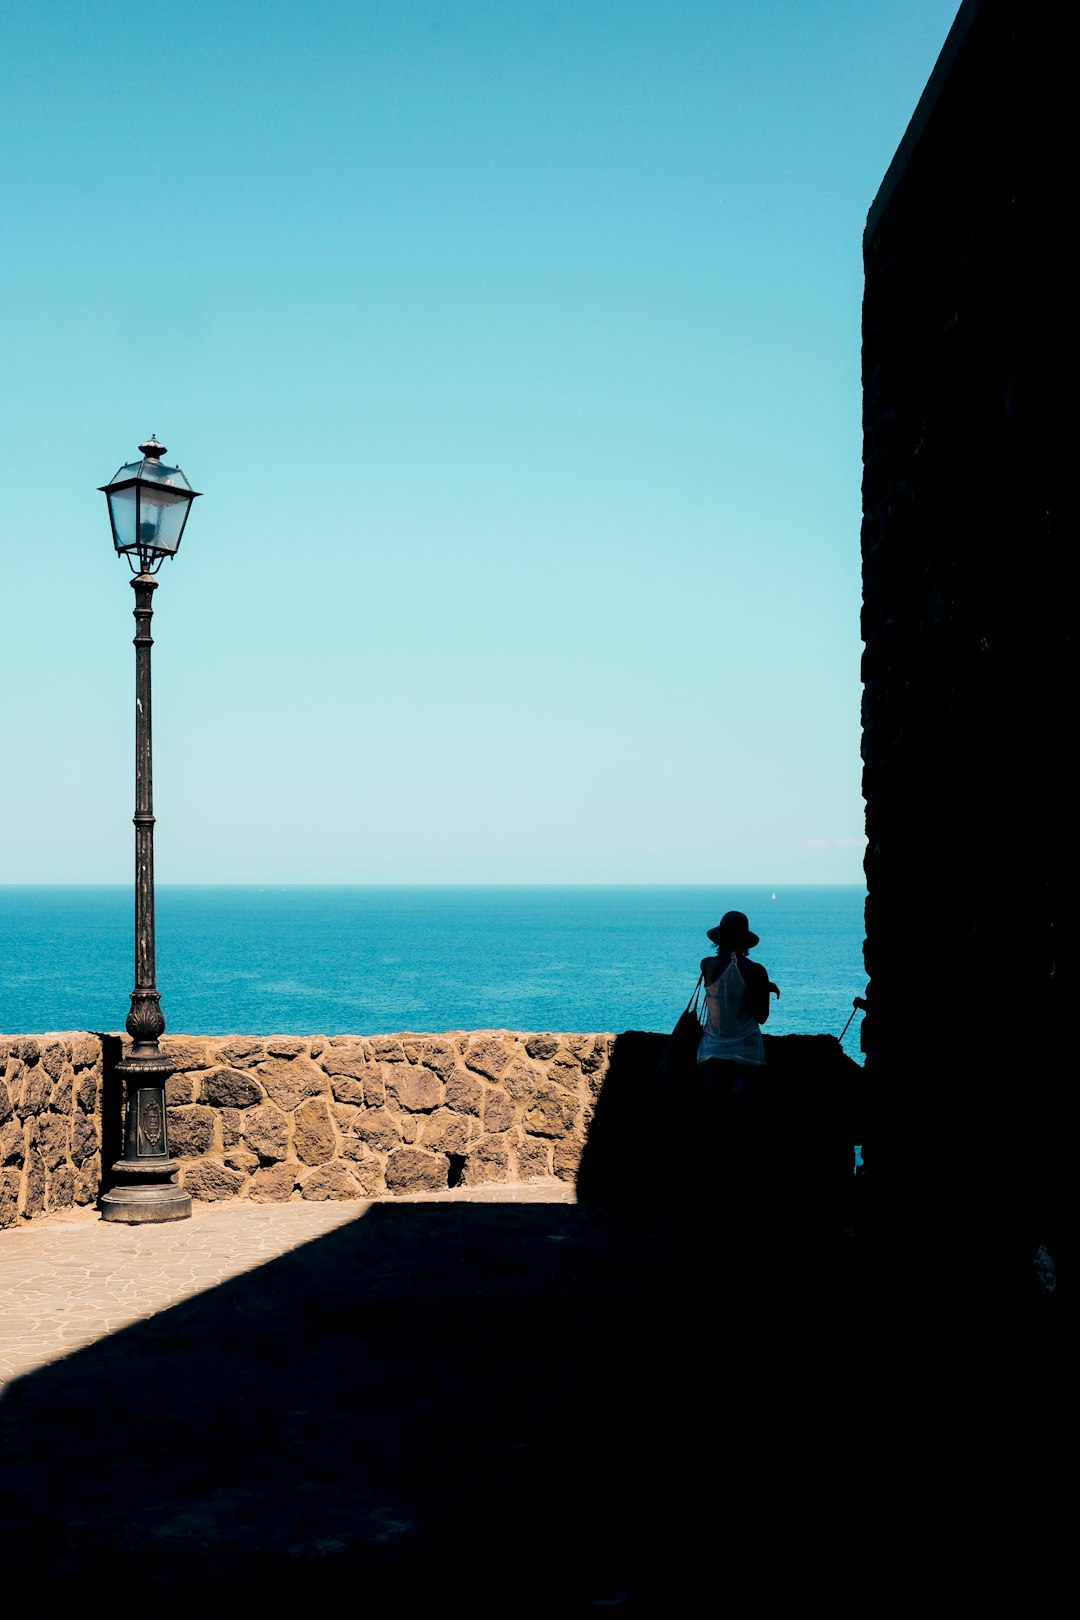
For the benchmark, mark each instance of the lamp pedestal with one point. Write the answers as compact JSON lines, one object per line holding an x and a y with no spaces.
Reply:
{"x":143,"y":1189}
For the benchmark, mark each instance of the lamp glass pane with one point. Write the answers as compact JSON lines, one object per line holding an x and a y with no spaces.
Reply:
{"x":161,"y":517}
{"x":158,"y":473}
{"x":122,"y":512}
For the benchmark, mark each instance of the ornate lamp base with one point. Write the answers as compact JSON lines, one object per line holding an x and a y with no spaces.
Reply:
{"x":145,"y":1193}
{"x":144,"y":1189}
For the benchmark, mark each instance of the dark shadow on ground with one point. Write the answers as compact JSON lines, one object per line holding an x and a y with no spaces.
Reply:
{"x":634,"y":1403}
{"x":491,"y":1409}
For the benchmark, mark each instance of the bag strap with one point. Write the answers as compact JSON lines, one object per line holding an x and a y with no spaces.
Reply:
{"x":693,"y":999}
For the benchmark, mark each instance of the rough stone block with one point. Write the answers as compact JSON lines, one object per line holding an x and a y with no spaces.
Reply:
{"x":489,"y":1161}
{"x":232,"y":1127}
{"x":12,"y":1142}
{"x":345,"y":1057}
{"x":226,"y":1088}
{"x":86,"y":1092}
{"x":566,"y":1157}
{"x":488,"y":1054}
{"x":52,"y":1059}
{"x":522,"y":1078}
{"x":36,"y":1086}
{"x":498,"y":1111}
{"x":368,"y":1172}
{"x":239,"y":1051}
{"x":332,"y":1181}
{"x":379,"y":1129}
{"x":411,"y":1169}
{"x":85,"y":1052}
{"x":465,"y":1093}
{"x":189,"y":1053}
{"x":534,"y":1159}
{"x":551,"y":1113}
{"x":9,"y":1196}
{"x":285,"y":1046}
{"x":34,"y":1201}
{"x":210,"y":1181}
{"x":434,"y":1052}
{"x":60,"y":1096}
{"x":595,"y":1053}
{"x":565,"y":1070}
{"x":288,"y":1081}
{"x":265,"y":1131}
{"x":60,"y":1190}
{"x":358,"y":1152}
{"x":447,"y":1132}
{"x":53,"y":1138}
{"x":241,"y":1158}
{"x":181,"y":1089}
{"x":273,"y":1185}
{"x":346,"y":1090}
{"x":416,"y":1089}
{"x":190,"y":1130}
{"x":88,"y":1181}
{"x":313,"y":1135}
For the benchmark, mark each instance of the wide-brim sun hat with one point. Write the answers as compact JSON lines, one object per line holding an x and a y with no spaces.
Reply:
{"x":733,"y":929}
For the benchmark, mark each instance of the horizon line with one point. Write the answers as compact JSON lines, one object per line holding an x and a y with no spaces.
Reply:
{"x":508,"y":883}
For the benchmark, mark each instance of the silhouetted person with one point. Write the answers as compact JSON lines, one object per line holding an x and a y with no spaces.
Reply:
{"x":732,"y":1066}
{"x":736,"y":1005}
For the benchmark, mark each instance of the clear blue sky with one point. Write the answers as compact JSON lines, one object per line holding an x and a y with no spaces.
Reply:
{"x":515,"y":345}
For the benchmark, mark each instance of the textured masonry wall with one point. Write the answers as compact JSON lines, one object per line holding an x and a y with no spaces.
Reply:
{"x":278,"y":1117}
{"x":968,"y":668}
{"x":50,"y":1123}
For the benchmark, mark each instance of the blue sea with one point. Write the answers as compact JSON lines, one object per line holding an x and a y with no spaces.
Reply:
{"x":298,"y":960}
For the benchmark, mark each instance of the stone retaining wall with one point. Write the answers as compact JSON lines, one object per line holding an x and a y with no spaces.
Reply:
{"x":50,"y":1123}
{"x":274,"y":1118}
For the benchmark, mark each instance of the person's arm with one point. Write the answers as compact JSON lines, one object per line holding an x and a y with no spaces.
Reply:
{"x":759,"y":985}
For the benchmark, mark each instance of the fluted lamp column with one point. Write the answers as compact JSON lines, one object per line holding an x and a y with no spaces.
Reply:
{"x":148,"y":508}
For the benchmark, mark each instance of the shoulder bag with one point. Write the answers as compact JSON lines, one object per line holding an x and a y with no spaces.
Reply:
{"x":678,"y":1058}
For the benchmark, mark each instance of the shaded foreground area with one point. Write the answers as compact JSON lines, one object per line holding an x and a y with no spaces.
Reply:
{"x":507,"y":1408}
{"x":657,"y":1399}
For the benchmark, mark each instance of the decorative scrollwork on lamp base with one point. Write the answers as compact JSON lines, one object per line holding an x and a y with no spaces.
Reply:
{"x":145,"y":1022}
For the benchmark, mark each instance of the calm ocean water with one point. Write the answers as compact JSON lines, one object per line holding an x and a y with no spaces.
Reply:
{"x":288,"y":960}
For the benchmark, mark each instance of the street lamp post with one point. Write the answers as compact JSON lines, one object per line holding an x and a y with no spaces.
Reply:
{"x":148,"y":508}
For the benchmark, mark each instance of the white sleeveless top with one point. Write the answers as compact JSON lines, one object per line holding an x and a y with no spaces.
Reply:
{"x":731,"y":1030}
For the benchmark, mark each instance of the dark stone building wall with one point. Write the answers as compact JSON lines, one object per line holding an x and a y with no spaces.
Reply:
{"x":968,"y":666}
